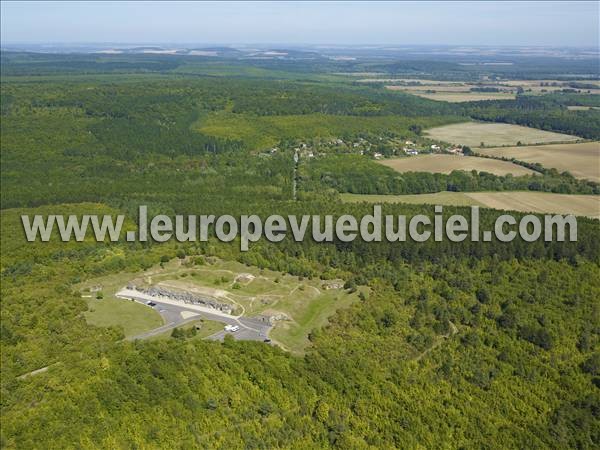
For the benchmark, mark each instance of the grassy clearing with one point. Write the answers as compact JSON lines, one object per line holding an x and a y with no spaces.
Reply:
{"x":581,"y":160}
{"x":523,"y":201}
{"x":494,"y":134}
{"x":133,"y":317}
{"x":303,"y":304}
{"x":441,"y":163}
{"x":264,"y":131}
{"x":111,"y":311}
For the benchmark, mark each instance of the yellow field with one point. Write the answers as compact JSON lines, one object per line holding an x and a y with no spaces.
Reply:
{"x":581,"y":160}
{"x":448,"y":163}
{"x":448,"y":91}
{"x":523,"y":201}
{"x":452,"y":93}
{"x":494,"y":134}
{"x":458,"y":97}
{"x":445,"y":198}
{"x":581,"y":108}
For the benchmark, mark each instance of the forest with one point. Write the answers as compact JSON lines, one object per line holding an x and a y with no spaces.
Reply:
{"x":462,"y":345}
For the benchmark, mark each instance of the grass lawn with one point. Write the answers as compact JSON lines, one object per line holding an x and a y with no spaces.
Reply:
{"x":133,"y":317}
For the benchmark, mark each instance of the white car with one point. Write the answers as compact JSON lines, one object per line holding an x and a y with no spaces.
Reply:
{"x":232,"y":328}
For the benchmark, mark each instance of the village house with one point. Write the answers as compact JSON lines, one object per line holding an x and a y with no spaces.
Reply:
{"x":332,"y":285}
{"x":456,"y":151}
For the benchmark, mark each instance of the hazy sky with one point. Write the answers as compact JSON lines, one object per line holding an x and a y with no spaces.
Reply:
{"x":483,"y":23}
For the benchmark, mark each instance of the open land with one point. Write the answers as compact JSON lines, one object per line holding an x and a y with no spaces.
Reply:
{"x":296,"y":306}
{"x":523,"y":201}
{"x":507,"y":87}
{"x":442,"y":163}
{"x":454,"y":93}
{"x":582,"y":160}
{"x":494,"y":134}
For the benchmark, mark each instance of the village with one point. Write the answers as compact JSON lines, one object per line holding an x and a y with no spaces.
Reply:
{"x":376,"y":147}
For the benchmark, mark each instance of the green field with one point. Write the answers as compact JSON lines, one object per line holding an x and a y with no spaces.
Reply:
{"x":262,"y":131}
{"x":133,"y":317}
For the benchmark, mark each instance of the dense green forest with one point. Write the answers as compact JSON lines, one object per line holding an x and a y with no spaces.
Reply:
{"x":461,"y":345}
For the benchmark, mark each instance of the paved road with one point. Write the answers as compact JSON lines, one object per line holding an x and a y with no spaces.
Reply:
{"x":171,"y":312}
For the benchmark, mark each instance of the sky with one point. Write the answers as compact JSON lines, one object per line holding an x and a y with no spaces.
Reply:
{"x":338,"y":23}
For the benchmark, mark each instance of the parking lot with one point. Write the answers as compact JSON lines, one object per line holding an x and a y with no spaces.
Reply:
{"x":175,"y":315}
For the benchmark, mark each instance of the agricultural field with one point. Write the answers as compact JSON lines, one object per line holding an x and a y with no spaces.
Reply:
{"x":506,"y":89}
{"x":537,"y":87}
{"x":474,"y":134}
{"x":442,"y":163}
{"x":581,"y":108}
{"x":453,"y":93}
{"x":301,"y":305}
{"x":523,"y":201}
{"x":582,"y":160}
{"x":459,"y":97}
{"x":444,"y":198}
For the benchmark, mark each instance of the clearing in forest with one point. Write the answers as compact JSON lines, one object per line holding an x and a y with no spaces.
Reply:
{"x":296,"y":305}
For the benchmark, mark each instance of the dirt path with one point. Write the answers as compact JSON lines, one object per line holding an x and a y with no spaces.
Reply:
{"x":436,"y":344}
{"x":35,"y":372}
